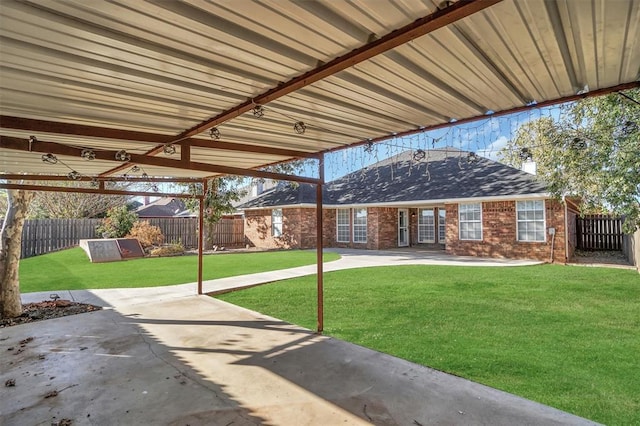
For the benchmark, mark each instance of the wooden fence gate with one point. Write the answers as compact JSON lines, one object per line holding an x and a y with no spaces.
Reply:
{"x":599,"y":232}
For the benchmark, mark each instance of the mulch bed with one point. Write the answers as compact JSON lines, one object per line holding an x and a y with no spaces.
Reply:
{"x":47,"y":310}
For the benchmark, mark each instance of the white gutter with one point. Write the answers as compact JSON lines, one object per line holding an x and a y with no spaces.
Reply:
{"x":418,"y":203}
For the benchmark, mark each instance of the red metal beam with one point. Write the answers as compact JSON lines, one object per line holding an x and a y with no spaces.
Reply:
{"x":543,"y":104}
{"x":18,"y":144}
{"x":35,"y":126}
{"x":35,"y":177}
{"x":47,"y":188}
{"x":418,"y":28}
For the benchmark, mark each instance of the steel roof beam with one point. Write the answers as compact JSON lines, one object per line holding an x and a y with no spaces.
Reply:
{"x":416,"y":29}
{"x":31,"y":125}
{"x":572,"y":98}
{"x":46,"y":188}
{"x":36,"y":177}
{"x":45,"y":147}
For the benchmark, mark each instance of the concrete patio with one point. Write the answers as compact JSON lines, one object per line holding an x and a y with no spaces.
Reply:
{"x":166,"y":356}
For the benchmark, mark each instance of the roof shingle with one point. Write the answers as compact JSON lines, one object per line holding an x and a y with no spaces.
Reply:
{"x":444,"y":174}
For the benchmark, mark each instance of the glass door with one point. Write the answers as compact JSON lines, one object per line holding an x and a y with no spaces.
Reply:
{"x":403,"y":227}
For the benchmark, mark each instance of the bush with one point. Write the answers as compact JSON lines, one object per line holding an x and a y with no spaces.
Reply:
{"x":118,"y":223}
{"x":147,"y":234}
{"x":169,"y":250}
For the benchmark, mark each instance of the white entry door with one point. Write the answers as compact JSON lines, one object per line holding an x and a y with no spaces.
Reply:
{"x":403,"y":227}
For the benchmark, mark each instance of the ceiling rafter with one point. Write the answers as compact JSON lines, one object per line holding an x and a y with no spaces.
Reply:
{"x":47,"y":188}
{"x":598,"y":92}
{"x":418,"y":28}
{"x":28,"y":124}
{"x":45,"y":147}
{"x":36,"y":177}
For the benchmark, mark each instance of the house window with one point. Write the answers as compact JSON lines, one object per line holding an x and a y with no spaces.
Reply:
{"x":342,"y":217}
{"x":426,"y":226}
{"x":359,"y":225}
{"x":442,"y":225}
{"x":276,"y":222}
{"x":530,"y":219}
{"x":470,"y":221}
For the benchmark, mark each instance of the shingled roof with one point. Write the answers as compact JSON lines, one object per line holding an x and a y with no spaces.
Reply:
{"x":443,"y":174}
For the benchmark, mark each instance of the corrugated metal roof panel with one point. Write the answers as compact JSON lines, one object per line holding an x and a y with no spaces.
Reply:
{"x":165,"y":67}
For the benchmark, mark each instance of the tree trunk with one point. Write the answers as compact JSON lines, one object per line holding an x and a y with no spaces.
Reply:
{"x":10,"y":248}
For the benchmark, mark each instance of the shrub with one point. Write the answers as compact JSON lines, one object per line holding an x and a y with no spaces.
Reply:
{"x":118,"y":222}
{"x":169,"y":250}
{"x":148,"y":235}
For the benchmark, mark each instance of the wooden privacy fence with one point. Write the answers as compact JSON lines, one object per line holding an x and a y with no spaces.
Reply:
{"x":177,"y":229}
{"x":227,"y":233}
{"x":40,"y":236}
{"x":599,"y":232}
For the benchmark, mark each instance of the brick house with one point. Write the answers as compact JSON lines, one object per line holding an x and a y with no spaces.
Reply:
{"x":450,"y":200}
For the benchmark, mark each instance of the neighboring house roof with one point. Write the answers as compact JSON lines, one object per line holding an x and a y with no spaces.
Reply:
{"x":444,"y":174}
{"x":256,"y":188}
{"x":164,"y":207}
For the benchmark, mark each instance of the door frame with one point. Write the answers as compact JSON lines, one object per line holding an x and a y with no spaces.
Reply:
{"x":406,"y":227}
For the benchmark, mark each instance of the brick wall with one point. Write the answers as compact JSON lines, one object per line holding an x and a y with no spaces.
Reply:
{"x":498,"y":226}
{"x":298,"y":224}
{"x":387,"y":227}
{"x":329,"y":226}
{"x":499,"y":238}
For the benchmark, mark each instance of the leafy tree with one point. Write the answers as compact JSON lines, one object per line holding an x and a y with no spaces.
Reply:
{"x":224,"y":191}
{"x":592,"y":151}
{"x":219,"y":198}
{"x":118,"y":222}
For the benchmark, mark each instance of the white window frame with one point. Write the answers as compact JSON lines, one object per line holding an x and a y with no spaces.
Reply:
{"x":467,"y":221}
{"x":342,"y":226}
{"x":424,"y":226}
{"x":276,"y":222}
{"x":519,"y":221}
{"x":359,"y":227}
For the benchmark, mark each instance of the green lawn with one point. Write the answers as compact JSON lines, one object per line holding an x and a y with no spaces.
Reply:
{"x":71,"y":269}
{"x":565,"y":336}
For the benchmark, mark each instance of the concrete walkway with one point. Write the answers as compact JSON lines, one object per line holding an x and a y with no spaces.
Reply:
{"x":164,"y":356}
{"x":349,"y":259}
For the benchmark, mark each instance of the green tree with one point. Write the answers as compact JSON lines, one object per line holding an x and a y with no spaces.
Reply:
{"x":222,"y":192}
{"x":592,"y":151}
{"x":118,"y":222}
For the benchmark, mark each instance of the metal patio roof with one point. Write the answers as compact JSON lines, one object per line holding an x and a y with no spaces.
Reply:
{"x":143,"y":75}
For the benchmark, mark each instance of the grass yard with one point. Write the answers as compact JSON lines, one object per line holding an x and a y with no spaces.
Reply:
{"x":72,"y":270}
{"x":565,"y":336}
